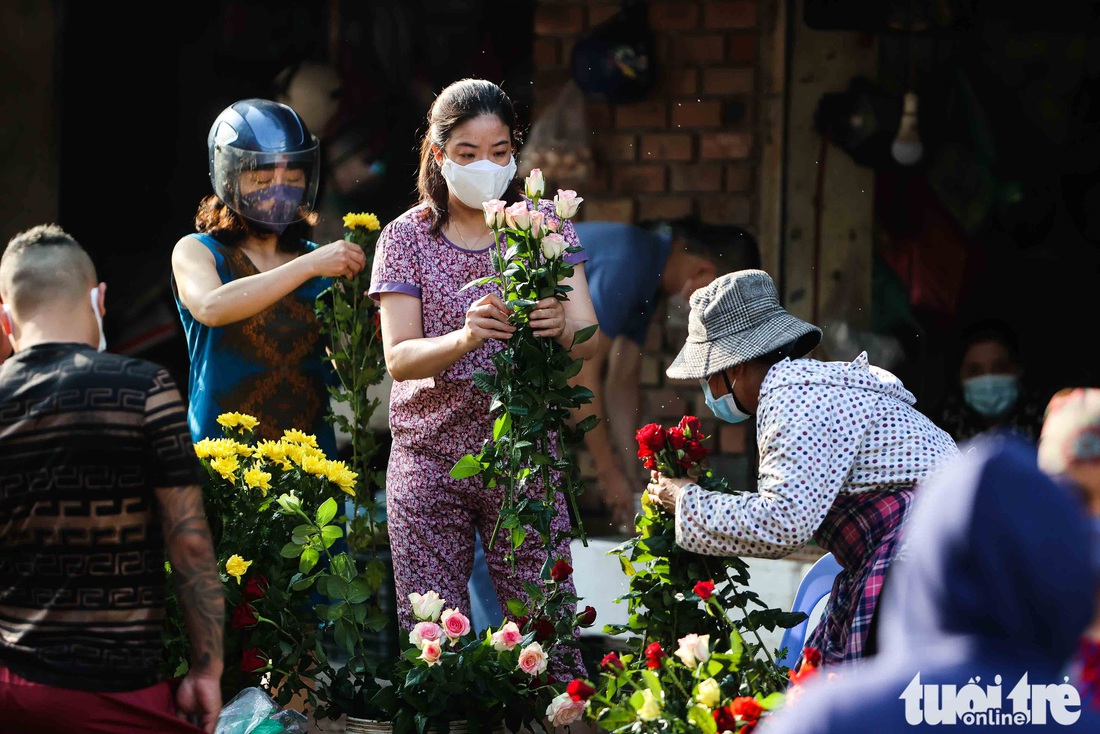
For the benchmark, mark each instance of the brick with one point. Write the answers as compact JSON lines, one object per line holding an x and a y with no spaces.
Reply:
{"x":665,"y":207}
{"x":729,"y":80}
{"x":664,"y":403}
{"x":598,"y":115}
{"x":674,"y":16}
{"x":718,"y":145}
{"x":620,"y":147}
{"x":697,"y":114}
{"x":608,"y":210}
{"x":699,"y":48}
{"x":738,"y":178}
{"x":548,"y":82}
{"x":733,"y":438}
{"x":600,"y":13}
{"x":641,"y":178}
{"x":695,"y":177}
{"x":567,"y":44}
{"x":736,"y":14}
{"x":555,"y":18}
{"x":736,"y":112}
{"x":544,"y":52}
{"x":667,"y":147}
{"x":743,"y":48}
{"x":683,"y":82}
{"x":726,"y":209}
{"x":648,"y":114}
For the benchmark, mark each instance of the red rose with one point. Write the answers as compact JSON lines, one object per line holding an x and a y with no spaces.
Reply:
{"x":579,"y":690}
{"x":252,"y":660}
{"x":747,"y":728}
{"x":723,"y":717}
{"x":695,"y":451}
{"x":255,"y":588}
{"x":587,"y":618}
{"x":811,"y":656}
{"x":747,"y":707}
{"x":804,"y":673}
{"x":676,"y":439}
{"x":653,"y":655}
{"x":691,"y":427}
{"x":704,"y":589}
{"x":650,"y":463}
{"x":561,"y":571}
{"x":651,"y":439}
{"x":612,"y":661}
{"x":544,"y":630}
{"x":244,"y":616}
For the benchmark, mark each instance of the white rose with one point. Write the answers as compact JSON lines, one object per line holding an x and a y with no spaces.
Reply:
{"x":427,"y":607}
{"x":553,"y":245}
{"x":694,"y":649}
{"x":708,"y":693}
{"x":563,"y":710}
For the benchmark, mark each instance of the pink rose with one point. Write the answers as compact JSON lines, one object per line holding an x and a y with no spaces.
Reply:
{"x":532,"y":659}
{"x":494,"y":213}
{"x":430,"y":650}
{"x":563,"y":710}
{"x":518,"y":215}
{"x":425,"y":631}
{"x":535,"y":185}
{"x":566,"y":203}
{"x":507,"y":637}
{"x":455,"y":624}
{"x":553,"y":245}
{"x":538,"y":219}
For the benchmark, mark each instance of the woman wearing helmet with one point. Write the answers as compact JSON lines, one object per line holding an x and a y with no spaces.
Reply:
{"x":245,"y":282}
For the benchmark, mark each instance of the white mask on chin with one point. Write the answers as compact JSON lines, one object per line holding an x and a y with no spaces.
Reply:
{"x":98,"y":318}
{"x":477,"y":182}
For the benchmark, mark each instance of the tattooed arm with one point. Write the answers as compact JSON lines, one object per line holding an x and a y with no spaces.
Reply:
{"x":199,"y":590}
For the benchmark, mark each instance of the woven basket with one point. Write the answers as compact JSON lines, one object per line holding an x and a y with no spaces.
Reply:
{"x":369,"y":726}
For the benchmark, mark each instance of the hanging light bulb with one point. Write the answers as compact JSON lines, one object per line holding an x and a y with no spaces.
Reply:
{"x":907,"y":148}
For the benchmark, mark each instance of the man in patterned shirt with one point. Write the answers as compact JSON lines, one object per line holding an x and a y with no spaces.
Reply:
{"x":99,"y":482}
{"x":841,"y":448}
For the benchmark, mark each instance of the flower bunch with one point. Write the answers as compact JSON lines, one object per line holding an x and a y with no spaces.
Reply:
{"x":350,"y":321}
{"x":448,"y":672}
{"x":698,"y":688}
{"x":532,"y":400}
{"x":674,"y":451}
{"x":273,"y":508}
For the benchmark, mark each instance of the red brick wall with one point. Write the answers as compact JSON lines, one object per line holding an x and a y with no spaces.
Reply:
{"x":690,"y":148}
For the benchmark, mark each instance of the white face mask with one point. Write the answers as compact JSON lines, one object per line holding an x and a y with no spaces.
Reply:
{"x":98,"y":318}
{"x":477,"y":182}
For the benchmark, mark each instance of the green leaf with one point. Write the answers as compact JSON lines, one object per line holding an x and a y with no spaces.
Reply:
{"x":326,"y":512}
{"x":291,"y":550}
{"x":502,"y":426}
{"x":330,"y":534}
{"x":583,"y":335}
{"x":628,"y":567}
{"x":771,"y":701}
{"x":309,"y":559}
{"x":702,"y":718}
{"x":467,"y":466}
{"x":652,"y":682}
{"x":480,"y":281}
{"x":516,"y":608}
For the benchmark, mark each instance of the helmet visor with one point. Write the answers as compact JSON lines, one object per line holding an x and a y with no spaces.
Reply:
{"x":268,"y":188}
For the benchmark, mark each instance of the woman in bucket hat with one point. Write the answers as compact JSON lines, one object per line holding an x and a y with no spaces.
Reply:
{"x":841,"y":448}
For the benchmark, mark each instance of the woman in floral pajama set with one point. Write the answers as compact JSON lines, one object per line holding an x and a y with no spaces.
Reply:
{"x":436,"y":337}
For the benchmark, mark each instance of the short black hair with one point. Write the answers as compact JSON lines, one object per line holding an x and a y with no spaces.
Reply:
{"x":41,"y":264}
{"x":729,"y":247}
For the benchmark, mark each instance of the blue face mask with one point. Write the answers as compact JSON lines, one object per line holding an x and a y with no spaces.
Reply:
{"x":273,"y":207}
{"x":991,"y":395}
{"x":724,"y":408}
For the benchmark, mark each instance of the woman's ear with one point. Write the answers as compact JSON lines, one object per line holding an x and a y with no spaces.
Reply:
{"x":437,"y":153}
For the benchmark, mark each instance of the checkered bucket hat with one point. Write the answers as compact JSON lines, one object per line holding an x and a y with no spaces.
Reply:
{"x":735,"y":319}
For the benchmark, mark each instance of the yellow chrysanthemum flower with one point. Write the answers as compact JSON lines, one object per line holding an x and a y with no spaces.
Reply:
{"x":237,"y":567}
{"x":366,"y":220}
{"x":226,"y":466}
{"x":339,"y":474}
{"x":295,"y":436}
{"x":275,"y":452}
{"x":314,"y":465}
{"x":257,"y":478}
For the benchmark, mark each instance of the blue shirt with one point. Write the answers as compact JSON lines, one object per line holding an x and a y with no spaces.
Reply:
{"x":623,"y":272}
{"x":271,"y":365}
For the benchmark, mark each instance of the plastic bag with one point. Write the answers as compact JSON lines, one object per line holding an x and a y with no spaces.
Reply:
{"x":559,"y":143}
{"x":253,"y":712}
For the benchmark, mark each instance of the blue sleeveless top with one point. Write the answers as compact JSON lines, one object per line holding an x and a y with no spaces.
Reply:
{"x":271,"y":365}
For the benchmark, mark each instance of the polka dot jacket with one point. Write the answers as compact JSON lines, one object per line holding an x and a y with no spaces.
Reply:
{"x":823,"y":428}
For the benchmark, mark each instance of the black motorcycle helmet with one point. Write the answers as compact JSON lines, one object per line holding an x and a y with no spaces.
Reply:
{"x":261,"y":154}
